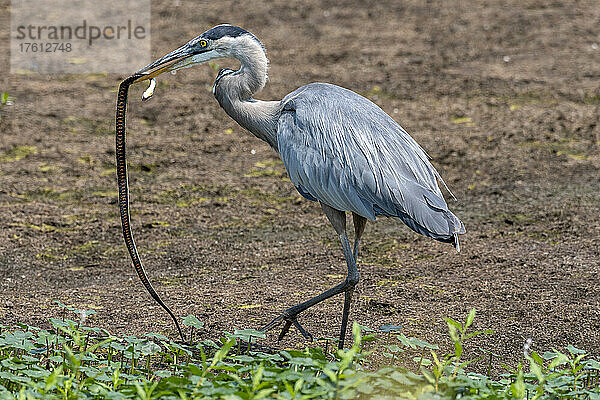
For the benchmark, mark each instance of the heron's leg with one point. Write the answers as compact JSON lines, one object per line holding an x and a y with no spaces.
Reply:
{"x":359,"y":227}
{"x":351,"y":281}
{"x":338,"y":220}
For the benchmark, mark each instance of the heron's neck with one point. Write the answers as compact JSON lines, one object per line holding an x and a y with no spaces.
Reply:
{"x":257,"y":116}
{"x":234,"y":93}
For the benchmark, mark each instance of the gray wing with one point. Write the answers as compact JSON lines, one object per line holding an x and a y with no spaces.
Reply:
{"x":343,"y":150}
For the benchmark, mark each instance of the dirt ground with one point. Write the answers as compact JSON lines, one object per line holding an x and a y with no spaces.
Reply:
{"x":504,"y":95}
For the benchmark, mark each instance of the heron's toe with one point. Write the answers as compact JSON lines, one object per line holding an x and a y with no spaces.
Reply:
{"x":276,"y":322}
{"x":289,"y":321}
{"x":303,"y":331}
{"x":284,"y":330}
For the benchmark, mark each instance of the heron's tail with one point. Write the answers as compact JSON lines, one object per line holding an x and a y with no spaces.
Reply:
{"x":454,"y":225}
{"x":422,"y":210}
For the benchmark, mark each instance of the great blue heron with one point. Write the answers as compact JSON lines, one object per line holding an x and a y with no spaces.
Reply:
{"x":339,"y":149}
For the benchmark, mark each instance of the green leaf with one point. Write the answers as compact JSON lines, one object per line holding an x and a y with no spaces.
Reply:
{"x":330,"y":374}
{"x":52,"y":378}
{"x":394,"y":348}
{"x":390,"y":328}
{"x":536,"y":369}
{"x":357,"y":336}
{"x":298,"y":385}
{"x":222,"y":352}
{"x":549,"y":355}
{"x":100,"y":344}
{"x":578,"y":368}
{"x":435,"y":358}
{"x":558,"y":360}
{"x":452,"y":322}
{"x":157,"y":336}
{"x":263,"y":393}
{"x":453,"y":331}
{"x":458,"y":349}
{"x":163,"y":373}
{"x":257,"y":377}
{"x":191,"y":320}
{"x":369,"y":338}
{"x":365,"y":328}
{"x":150,"y":348}
{"x":424,"y":362}
{"x":406,"y":341}
{"x":476,"y":333}
{"x":246,"y":334}
{"x":518,"y":389}
{"x":579,"y":358}
{"x":413,"y":343}
{"x":470,"y":318}
{"x":536,"y":357}
{"x":574,"y":350}
{"x":592,"y":364}
{"x":428,"y":376}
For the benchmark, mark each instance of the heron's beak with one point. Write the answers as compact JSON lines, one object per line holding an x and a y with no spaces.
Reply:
{"x":165,"y":63}
{"x":183,"y":57}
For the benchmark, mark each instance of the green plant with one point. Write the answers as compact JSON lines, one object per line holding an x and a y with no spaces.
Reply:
{"x":74,"y":361}
{"x":449,"y":365}
{"x":5,"y":99}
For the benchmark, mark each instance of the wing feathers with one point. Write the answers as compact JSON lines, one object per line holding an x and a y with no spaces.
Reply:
{"x":343,"y":150}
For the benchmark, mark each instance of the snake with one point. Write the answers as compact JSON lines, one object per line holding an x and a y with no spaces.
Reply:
{"x":122,"y":181}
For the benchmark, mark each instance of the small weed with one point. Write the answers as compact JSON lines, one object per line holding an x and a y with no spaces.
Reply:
{"x":18,"y":153}
{"x":462,"y":120}
{"x":267,"y":168}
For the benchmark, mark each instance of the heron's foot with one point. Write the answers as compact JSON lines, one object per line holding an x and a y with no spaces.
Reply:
{"x":288,"y":320}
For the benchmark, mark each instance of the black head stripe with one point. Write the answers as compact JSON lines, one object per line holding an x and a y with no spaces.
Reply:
{"x":221,"y":31}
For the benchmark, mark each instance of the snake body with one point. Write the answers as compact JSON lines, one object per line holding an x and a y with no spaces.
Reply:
{"x":124,"y":194}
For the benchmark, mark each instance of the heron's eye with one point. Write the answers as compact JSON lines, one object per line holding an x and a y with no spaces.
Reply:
{"x":203,"y":43}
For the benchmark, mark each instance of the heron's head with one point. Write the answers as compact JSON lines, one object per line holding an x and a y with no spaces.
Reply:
{"x":222,"y":41}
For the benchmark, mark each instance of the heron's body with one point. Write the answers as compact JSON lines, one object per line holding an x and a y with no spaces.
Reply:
{"x":338,"y":147}
{"x":343,"y":150}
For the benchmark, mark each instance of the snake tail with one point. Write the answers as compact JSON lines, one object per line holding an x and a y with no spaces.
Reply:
{"x":124,"y":195}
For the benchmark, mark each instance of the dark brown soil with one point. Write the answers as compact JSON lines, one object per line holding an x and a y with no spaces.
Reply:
{"x":504,"y":95}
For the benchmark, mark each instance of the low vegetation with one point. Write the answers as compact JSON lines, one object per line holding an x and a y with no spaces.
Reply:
{"x":73,"y":361}
{"x":5,"y":100}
